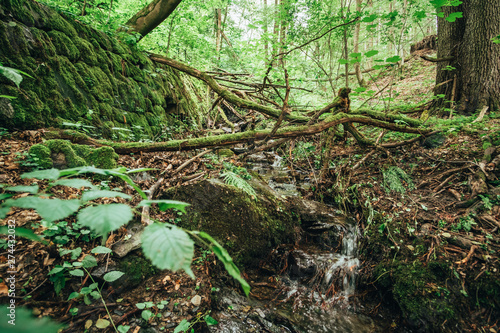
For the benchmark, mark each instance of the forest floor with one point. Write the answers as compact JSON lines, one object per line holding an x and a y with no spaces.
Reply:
{"x":429,"y":242}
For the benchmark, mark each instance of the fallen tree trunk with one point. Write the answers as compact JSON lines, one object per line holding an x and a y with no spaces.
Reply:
{"x":235,"y":138}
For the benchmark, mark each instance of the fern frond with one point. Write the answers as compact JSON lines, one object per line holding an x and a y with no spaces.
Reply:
{"x":235,"y":180}
{"x":395,"y":179}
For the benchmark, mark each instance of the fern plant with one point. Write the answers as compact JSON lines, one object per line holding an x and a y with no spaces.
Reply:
{"x":396,"y":180}
{"x":235,"y":180}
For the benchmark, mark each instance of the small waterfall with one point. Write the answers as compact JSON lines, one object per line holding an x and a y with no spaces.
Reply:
{"x":346,"y":265}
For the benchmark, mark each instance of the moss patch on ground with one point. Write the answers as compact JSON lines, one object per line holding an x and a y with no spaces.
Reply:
{"x":63,"y":154}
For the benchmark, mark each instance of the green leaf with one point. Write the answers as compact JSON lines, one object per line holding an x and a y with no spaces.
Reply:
{"x":146,"y":315}
{"x":101,"y":249}
{"x":440,"y":14}
{"x":123,"y":328}
{"x":56,"y":270}
{"x":371,"y":53}
{"x":49,"y":209}
{"x":89,"y":261}
{"x":141,"y":306}
{"x":166,"y":204}
{"x":168,"y":248}
{"x":183,"y":326}
{"x":92,"y":195}
{"x":77,"y":272}
{"x":140,"y":170}
{"x":226,"y":259}
{"x":210,"y":321}
{"x":393,"y":59}
{"x":4,"y":196}
{"x":22,"y":232}
{"x":25,"y":322}
{"x":355,"y":55}
{"x":12,"y":74}
{"x":360,"y":89}
{"x":343,"y":61}
{"x":74,"y":294}
{"x":369,"y":19}
{"x":76,"y":183}
{"x":453,"y":16}
{"x":113,"y":276}
{"x":50,"y":174}
{"x":20,"y":188}
{"x":105,"y":218}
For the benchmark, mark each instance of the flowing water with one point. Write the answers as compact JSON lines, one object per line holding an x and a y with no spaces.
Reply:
{"x":316,"y":289}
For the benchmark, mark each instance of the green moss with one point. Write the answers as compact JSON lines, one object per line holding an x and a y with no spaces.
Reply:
{"x":63,"y":154}
{"x":42,"y":152}
{"x":86,"y":50}
{"x":64,"y":45}
{"x":249,"y":228}
{"x":136,"y":269}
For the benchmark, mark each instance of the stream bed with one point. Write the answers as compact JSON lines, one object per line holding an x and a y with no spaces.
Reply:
{"x":312,"y":289}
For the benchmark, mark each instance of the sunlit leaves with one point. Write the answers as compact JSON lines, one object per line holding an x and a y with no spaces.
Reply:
{"x":165,"y":204}
{"x":393,"y":59}
{"x":371,"y":53}
{"x":92,"y":195}
{"x":453,"y":16}
{"x":168,"y":247}
{"x":105,"y":218}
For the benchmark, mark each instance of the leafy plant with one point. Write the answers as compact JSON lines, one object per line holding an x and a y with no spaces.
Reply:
{"x":396,"y":180}
{"x":166,"y":245}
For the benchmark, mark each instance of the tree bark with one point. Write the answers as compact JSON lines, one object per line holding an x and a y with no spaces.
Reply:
{"x":235,"y":138}
{"x":357,"y":67}
{"x":476,"y":58}
{"x":151,"y":16}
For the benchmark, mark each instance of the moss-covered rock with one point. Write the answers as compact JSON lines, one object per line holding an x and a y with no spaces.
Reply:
{"x":62,"y":154}
{"x":247,"y":227}
{"x":75,"y":69}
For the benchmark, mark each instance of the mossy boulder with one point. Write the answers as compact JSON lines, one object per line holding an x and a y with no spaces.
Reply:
{"x":63,"y":154}
{"x":249,"y":228}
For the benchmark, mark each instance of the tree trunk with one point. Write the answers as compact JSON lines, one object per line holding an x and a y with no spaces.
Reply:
{"x":357,"y":67}
{"x":218,"y":31}
{"x":476,"y":58}
{"x":266,"y":44}
{"x":151,"y":16}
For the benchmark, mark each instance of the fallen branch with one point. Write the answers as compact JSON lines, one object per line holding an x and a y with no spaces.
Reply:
{"x":431,"y":59}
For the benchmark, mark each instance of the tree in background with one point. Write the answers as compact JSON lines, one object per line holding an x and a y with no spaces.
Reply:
{"x":468,"y":58}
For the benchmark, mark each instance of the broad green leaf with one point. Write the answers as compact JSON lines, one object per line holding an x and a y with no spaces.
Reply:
{"x":25,"y":322}
{"x":183,"y":326}
{"x":77,"y":272}
{"x":22,"y":232}
{"x":453,"y":16}
{"x":120,"y":173}
{"x":105,"y":218}
{"x":355,"y":55}
{"x":343,"y":61}
{"x":4,"y":196}
{"x":226,"y":259}
{"x":50,"y":174}
{"x":168,"y":247}
{"x":113,"y":276}
{"x":393,"y":59}
{"x":89,"y":261}
{"x":74,"y":294}
{"x":49,"y":209}
{"x":123,"y":328}
{"x":166,"y":204}
{"x":360,"y":89}
{"x":210,"y":321}
{"x":76,"y":183}
{"x":92,"y":195}
{"x":56,"y":270}
{"x":12,"y":74}
{"x":20,"y":188}
{"x":371,"y":53}
{"x":101,"y":249}
{"x":146,"y":315}
{"x":141,"y":306}
{"x":82,"y":170}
